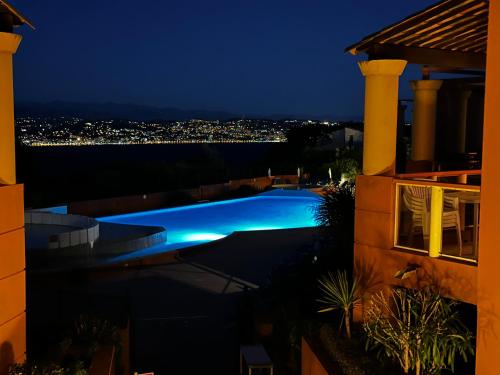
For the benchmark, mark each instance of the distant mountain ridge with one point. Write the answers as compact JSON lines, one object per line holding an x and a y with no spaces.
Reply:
{"x":136,"y":112}
{"x":110,"y":110}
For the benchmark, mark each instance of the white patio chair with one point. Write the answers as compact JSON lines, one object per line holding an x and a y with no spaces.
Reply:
{"x":451,"y":216}
{"x":417,"y":200}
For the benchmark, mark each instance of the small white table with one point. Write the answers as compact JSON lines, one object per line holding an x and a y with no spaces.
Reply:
{"x":472,"y":197}
{"x":255,"y":357}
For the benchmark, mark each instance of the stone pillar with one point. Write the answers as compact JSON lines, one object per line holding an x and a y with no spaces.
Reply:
{"x":8,"y":46}
{"x":463,"y":101}
{"x":381,"y":115}
{"x":423,"y":132}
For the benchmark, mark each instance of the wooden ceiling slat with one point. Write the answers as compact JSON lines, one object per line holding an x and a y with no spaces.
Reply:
{"x":451,"y":37}
{"x":457,"y":27}
{"x":466,"y":44}
{"x":427,"y":15}
{"x":472,"y":44}
{"x":445,"y":29}
{"x":437,"y":30}
{"x":479,"y":50}
{"x":480,"y":43}
{"x":447,"y":43}
{"x":423,"y":17}
{"x":446,"y":37}
{"x":448,"y":17}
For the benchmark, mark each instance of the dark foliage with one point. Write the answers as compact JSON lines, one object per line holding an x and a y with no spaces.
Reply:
{"x":346,"y":356}
{"x":418,"y":329}
{"x":336,"y":216}
{"x":337,"y":208}
{"x":31,"y":368}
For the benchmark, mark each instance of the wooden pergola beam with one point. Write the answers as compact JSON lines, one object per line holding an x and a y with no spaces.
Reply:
{"x":428,"y":56}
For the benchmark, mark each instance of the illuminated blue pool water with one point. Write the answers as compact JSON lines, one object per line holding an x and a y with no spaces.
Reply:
{"x":195,"y":224}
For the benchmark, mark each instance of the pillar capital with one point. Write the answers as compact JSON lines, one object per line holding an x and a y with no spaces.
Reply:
{"x":382,"y":67}
{"x":426,"y":85}
{"x":381,"y":115}
{"x":9,"y":42}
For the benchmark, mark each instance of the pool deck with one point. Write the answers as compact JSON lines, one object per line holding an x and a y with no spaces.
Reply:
{"x":234,"y":255}
{"x":183,"y":306}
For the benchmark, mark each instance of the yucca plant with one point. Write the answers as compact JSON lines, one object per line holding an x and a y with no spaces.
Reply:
{"x":339,"y":294}
{"x":418,"y":329}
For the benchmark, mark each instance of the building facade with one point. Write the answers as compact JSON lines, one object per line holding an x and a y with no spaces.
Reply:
{"x":12,"y":255}
{"x":440,"y":221}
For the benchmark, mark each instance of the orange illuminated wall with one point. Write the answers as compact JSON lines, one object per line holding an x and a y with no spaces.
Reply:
{"x":12,"y":277}
{"x":310,"y":363}
{"x":488,"y":340}
{"x":376,"y":260}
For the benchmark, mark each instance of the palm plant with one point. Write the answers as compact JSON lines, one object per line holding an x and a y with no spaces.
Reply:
{"x":339,"y":294}
{"x":337,"y":207}
{"x":417,"y":328}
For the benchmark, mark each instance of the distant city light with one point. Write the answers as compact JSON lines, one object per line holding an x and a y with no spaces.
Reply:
{"x":74,"y":131}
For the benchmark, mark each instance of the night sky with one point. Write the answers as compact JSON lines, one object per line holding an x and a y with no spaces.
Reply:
{"x":252,"y":57}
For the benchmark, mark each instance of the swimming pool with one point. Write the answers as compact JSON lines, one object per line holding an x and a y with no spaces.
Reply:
{"x":205,"y":222}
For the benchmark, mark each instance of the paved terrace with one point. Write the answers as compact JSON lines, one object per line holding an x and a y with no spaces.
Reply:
{"x":183,"y":311}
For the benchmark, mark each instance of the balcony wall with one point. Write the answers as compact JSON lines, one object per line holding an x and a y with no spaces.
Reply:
{"x":12,"y":277}
{"x":310,"y":363}
{"x":374,"y":220}
{"x":376,"y":258}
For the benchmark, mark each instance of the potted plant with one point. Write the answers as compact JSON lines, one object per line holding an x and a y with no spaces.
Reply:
{"x":339,"y":294}
{"x":418,"y":329}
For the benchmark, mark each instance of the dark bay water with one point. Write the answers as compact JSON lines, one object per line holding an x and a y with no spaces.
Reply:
{"x":59,"y":174}
{"x":56,"y":159}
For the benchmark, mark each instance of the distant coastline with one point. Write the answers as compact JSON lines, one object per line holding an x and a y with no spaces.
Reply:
{"x":69,"y":144}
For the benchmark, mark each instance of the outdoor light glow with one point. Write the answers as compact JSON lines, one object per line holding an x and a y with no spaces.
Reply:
{"x":203,"y":237}
{"x":343,"y":178}
{"x":251,"y":228}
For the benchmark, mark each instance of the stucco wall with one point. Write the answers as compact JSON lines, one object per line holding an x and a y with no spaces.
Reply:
{"x":488,"y":347}
{"x":12,"y":277}
{"x":310,"y":363}
{"x":377,"y":261}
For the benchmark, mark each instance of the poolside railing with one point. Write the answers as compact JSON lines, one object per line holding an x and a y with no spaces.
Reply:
{"x":438,"y":219}
{"x":85,"y":229}
{"x":461,"y":176}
